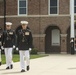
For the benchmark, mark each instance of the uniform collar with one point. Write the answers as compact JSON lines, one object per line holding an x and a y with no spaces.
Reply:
{"x":8,"y":30}
{"x":24,"y":29}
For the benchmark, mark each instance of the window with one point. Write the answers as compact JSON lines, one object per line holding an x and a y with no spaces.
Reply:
{"x":74,"y":6}
{"x":22,"y":7}
{"x":55,"y":37}
{"x":53,"y":7}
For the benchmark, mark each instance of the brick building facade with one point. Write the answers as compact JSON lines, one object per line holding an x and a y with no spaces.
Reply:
{"x":49,"y":21}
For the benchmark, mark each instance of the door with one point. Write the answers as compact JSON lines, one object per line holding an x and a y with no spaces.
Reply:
{"x":52,"y":40}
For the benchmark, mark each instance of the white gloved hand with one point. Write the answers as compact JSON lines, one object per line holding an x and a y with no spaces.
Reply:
{"x":2,"y":47}
{"x":30,"y":49}
{"x":17,"y":48}
{"x":13,"y":46}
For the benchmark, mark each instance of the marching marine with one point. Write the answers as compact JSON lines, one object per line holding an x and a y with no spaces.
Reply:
{"x":8,"y":43}
{"x":24,"y":44}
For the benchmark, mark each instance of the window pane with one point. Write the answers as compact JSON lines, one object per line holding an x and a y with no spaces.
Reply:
{"x":22,"y":4}
{"x":22,"y":11}
{"x":53,"y":10}
{"x":53,"y":2}
{"x":75,"y":2}
{"x":75,"y":10}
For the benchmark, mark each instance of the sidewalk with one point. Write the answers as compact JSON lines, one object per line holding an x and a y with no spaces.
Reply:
{"x":54,"y":64}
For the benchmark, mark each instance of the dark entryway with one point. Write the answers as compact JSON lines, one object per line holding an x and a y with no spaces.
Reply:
{"x":52,"y":40}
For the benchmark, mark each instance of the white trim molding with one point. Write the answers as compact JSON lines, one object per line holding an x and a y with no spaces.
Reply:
{"x":1,"y":16}
{"x":39,"y":35}
{"x":63,"y":35}
{"x":17,"y":16}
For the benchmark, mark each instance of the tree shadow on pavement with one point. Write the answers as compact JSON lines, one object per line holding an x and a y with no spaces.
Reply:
{"x":12,"y":72}
{"x":72,"y":68}
{"x":2,"y":69}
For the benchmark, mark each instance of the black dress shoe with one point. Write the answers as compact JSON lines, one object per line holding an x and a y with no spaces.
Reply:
{"x":7,"y":68}
{"x":0,"y":63}
{"x":28,"y":68}
{"x":22,"y":70}
{"x":11,"y":66}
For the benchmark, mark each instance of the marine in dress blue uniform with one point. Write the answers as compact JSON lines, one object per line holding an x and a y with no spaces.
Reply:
{"x":8,"y":43}
{"x":24,"y":44}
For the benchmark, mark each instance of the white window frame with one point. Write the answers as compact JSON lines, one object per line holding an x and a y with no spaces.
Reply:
{"x":57,"y":8}
{"x":26,"y":8}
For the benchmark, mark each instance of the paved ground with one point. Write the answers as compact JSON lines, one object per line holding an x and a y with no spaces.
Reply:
{"x":54,"y":64}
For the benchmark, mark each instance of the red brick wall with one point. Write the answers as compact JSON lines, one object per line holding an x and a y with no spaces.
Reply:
{"x":33,"y":7}
{"x":44,"y":7}
{"x":1,"y":8}
{"x":11,"y":7}
{"x":2,"y":23}
{"x":64,"y":6}
{"x":62,"y":22}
